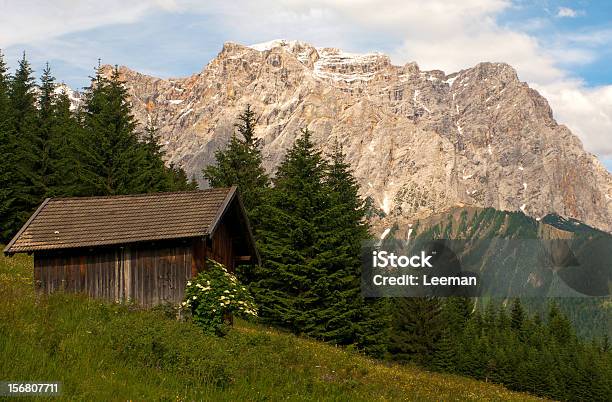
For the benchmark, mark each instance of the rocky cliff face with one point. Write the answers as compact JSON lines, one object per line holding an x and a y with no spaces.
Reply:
{"x":419,"y":141}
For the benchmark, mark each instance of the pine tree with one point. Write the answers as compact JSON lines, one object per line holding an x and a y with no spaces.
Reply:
{"x":285,"y":285}
{"x":517,"y":315}
{"x":240,"y":164}
{"x":113,"y":160}
{"x":415,"y":330}
{"x":456,"y":312}
{"x":155,"y":173}
{"x":445,"y":353}
{"x":65,"y":161}
{"x":344,"y":316}
{"x":23,"y":192}
{"x":46,"y":122}
{"x":559,"y":326}
{"x":177,"y":179}
{"x":7,"y":155}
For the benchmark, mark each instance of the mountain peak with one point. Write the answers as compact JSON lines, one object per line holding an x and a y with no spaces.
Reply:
{"x":418,"y":141}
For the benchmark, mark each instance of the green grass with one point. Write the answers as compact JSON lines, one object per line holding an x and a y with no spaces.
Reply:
{"x":102,"y":351}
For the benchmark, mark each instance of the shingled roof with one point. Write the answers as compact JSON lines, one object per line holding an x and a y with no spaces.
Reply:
{"x":96,"y":221}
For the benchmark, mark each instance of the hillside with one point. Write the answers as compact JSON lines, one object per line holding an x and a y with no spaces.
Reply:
{"x":111,"y":352}
{"x":418,"y":141}
{"x":506,"y":249}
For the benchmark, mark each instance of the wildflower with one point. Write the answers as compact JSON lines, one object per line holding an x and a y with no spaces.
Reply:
{"x":194,"y":297}
{"x":184,"y":303}
{"x":188,"y":283}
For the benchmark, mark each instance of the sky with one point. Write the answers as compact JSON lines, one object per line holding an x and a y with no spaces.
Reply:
{"x":563,"y":49}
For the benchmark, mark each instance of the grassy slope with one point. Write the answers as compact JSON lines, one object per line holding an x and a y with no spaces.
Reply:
{"x":108,"y":352}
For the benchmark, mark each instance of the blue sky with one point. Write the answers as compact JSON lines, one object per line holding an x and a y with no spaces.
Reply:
{"x":561,"y":48}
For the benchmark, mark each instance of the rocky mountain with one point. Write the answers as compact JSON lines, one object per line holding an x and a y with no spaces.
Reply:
{"x":420,"y":142}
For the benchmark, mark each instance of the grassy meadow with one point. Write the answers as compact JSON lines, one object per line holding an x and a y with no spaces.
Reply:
{"x":103,"y":351}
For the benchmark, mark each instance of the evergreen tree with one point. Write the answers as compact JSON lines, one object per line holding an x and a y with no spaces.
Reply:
{"x":285,"y":285}
{"x":344,"y":316}
{"x":445,"y":354}
{"x":559,"y":326}
{"x":517,"y":315}
{"x":23,"y":192}
{"x":46,"y":123}
{"x":416,"y":328}
{"x":113,"y":160}
{"x":456,"y":312}
{"x":177,"y":179}
{"x":7,"y":155}
{"x":65,"y":138}
{"x":240,"y":164}
{"x":154,"y":171}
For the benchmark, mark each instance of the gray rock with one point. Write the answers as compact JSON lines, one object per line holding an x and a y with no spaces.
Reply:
{"x":419,"y":141}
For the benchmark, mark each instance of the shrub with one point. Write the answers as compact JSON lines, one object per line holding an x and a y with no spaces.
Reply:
{"x":213,"y":295}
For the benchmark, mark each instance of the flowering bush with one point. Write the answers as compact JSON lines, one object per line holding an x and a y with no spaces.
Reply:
{"x":215,"y":293}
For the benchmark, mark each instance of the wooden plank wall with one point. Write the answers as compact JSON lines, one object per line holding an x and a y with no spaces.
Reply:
{"x":146,"y":275}
{"x":222,"y":248}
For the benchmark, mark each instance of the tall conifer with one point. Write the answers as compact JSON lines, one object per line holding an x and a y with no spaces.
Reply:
{"x":240,"y":164}
{"x":24,"y":187}
{"x":285,"y":285}
{"x":7,"y":155}
{"x":113,"y":160}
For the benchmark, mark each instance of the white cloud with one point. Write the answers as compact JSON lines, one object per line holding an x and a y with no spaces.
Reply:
{"x":29,"y":21}
{"x":566,"y":12}
{"x":586,"y":111}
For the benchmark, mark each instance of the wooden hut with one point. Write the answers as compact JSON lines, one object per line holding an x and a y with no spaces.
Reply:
{"x":141,"y":247}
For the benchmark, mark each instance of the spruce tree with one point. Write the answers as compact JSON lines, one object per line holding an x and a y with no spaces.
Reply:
{"x":445,"y":353}
{"x":285,"y":285}
{"x":344,"y":316}
{"x":177,"y":179}
{"x":517,"y":315}
{"x":7,"y":155}
{"x":23,"y":191}
{"x":46,"y":122}
{"x":240,"y":164}
{"x":154,"y":170}
{"x":65,"y":155}
{"x":113,"y":160}
{"x":415,"y":330}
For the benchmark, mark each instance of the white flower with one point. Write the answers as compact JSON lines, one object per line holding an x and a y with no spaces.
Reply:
{"x":188,"y":283}
{"x":226,"y":291}
{"x":194,"y":297}
{"x":184,"y":303}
